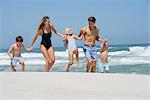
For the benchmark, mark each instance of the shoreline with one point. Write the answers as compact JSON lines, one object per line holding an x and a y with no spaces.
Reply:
{"x":119,"y":69}
{"x":73,"y":86}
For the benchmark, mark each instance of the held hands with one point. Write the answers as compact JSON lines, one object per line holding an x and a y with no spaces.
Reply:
{"x":11,"y":58}
{"x":82,"y":32}
{"x":64,"y":38}
{"x":105,"y":40}
{"x":30,"y":49}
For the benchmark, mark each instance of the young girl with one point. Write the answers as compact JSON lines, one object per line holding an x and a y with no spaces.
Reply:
{"x":104,"y":68}
{"x":72,"y":47}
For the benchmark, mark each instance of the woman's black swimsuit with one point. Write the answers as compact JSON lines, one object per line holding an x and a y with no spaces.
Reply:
{"x":46,"y":40}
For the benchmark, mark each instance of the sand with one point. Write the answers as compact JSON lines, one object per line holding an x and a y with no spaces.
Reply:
{"x":73,"y":86}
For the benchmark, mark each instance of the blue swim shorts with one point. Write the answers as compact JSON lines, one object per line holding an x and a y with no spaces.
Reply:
{"x":90,"y":51}
{"x":15,"y":60}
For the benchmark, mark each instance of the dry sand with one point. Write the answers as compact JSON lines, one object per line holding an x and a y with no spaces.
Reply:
{"x":73,"y":86}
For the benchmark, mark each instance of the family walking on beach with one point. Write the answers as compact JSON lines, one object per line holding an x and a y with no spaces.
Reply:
{"x":90,"y":33}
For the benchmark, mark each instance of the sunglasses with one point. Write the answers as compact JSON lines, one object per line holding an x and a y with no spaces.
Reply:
{"x":69,"y":34}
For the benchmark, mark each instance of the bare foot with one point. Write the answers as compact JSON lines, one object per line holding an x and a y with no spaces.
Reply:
{"x":67,"y":70}
{"x":78,"y":64}
{"x":106,"y":71}
{"x":13,"y":69}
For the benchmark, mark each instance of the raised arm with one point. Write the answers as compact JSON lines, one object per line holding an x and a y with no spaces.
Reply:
{"x":98,"y":38}
{"x":55,"y":31}
{"x":82,"y":32}
{"x":103,"y":40}
{"x":77,"y":37}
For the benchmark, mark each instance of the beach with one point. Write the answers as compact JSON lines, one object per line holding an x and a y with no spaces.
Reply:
{"x":73,"y":86}
{"x":33,"y":36}
{"x":123,"y":59}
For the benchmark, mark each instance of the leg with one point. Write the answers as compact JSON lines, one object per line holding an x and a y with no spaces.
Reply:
{"x":46,"y":56}
{"x":13,"y":68}
{"x":89,"y":64}
{"x":20,"y":60}
{"x":106,"y":68}
{"x":77,"y":57}
{"x":101,"y":68}
{"x":93,"y":66}
{"x":87,"y":53}
{"x":22,"y":66}
{"x":94,"y":58}
{"x":52,"y":57}
{"x":87,"y":67}
{"x":106,"y":71}
{"x":13,"y":64}
{"x":71,"y":60}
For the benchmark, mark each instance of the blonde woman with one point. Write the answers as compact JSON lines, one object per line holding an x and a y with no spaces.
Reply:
{"x":44,"y":30}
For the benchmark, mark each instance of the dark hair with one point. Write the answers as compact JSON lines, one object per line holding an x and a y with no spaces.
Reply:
{"x":92,"y":19}
{"x":19,"y":39}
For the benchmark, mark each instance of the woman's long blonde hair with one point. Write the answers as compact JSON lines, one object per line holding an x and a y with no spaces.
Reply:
{"x":42,"y":22}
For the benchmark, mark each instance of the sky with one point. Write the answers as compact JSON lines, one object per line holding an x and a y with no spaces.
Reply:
{"x":121,"y":21}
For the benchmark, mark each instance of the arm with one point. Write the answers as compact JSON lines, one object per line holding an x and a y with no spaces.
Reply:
{"x":77,"y":37}
{"x":35,"y":37}
{"x":56,"y":32}
{"x":82,"y":32}
{"x":65,"y":41}
{"x":26,"y":49}
{"x":9,"y":51}
{"x":103,"y":40}
{"x":97,"y":35}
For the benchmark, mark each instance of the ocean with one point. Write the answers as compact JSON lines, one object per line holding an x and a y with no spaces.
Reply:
{"x":126,"y":59}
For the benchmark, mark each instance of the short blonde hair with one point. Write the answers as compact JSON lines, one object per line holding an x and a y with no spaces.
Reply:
{"x":68,"y":30}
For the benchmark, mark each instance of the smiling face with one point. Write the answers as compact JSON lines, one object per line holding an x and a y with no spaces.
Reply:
{"x":19,"y":44}
{"x":91,"y":21}
{"x":19,"y":41}
{"x":91,"y":24}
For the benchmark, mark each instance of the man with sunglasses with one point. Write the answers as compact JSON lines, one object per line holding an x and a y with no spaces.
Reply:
{"x":91,"y":35}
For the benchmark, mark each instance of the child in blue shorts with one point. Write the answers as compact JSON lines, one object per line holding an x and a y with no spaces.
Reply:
{"x":15,"y":57}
